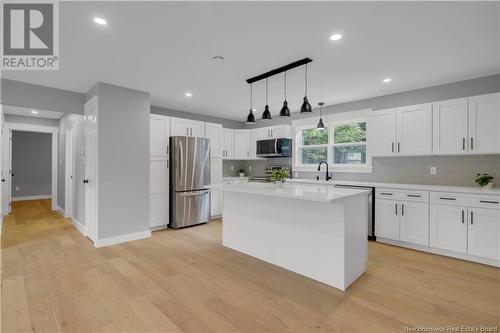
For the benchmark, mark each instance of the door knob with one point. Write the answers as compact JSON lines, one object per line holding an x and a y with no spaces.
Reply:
{"x":85,"y":181}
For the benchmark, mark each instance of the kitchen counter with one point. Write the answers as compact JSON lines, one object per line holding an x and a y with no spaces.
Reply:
{"x":313,"y":230}
{"x":308,"y":192}
{"x":234,"y":178}
{"x":436,"y":188}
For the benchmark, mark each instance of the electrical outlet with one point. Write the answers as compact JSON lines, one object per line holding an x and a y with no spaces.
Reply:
{"x":433,"y":171}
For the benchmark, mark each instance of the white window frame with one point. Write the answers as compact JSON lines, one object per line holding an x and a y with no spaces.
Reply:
{"x":330,"y":126}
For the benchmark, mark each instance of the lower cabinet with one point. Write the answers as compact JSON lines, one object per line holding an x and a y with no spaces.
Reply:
{"x":158,"y":192}
{"x":402,"y":220}
{"x":484,"y":233}
{"x":448,"y":228}
{"x":215,"y":192}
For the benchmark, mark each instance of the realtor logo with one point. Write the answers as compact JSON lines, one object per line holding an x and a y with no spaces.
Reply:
{"x":30,"y":35}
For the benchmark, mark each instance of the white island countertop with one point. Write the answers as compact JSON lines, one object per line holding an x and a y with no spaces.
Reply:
{"x":307,"y":192}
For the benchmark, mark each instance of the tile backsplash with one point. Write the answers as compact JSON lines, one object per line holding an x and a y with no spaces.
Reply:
{"x":451,"y":170}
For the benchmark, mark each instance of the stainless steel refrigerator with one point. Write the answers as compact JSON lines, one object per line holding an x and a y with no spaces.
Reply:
{"x":189,"y":181}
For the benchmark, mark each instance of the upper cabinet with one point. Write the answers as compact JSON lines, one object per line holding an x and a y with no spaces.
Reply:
{"x":214,"y":133}
{"x":241,"y":144}
{"x":227,"y":143}
{"x":449,"y":127}
{"x":402,"y":131}
{"x":381,"y":133}
{"x":187,"y":127}
{"x":484,"y":124}
{"x":158,"y":135}
{"x":414,"y":130}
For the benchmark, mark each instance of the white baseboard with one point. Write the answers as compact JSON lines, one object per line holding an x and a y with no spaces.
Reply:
{"x":32,"y":197}
{"x":463,"y":256}
{"x":60,"y":210}
{"x":122,"y":239}
{"x":80,"y":227}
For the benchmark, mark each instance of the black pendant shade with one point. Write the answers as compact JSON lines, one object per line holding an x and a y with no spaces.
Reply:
{"x":266,"y":115}
{"x":321,"y":126}
{"x":306,"y":107}
{"x":251,"y":117}
{"x":285,"y":111}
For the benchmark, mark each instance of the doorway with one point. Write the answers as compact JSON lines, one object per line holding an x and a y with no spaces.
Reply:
{"x":21,"y":189}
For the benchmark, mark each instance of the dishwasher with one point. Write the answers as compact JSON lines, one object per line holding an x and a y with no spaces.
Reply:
{"x":371,"y":207}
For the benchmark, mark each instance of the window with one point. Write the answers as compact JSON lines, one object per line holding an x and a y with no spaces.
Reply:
{"x":349,"y":144}
{"x":313,"y":146}
{"x":342,"y":145}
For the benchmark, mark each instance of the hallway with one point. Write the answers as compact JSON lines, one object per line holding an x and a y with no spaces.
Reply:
{"x":54,"y":280}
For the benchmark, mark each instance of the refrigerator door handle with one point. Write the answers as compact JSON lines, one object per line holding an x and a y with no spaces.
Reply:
{"x":194,"y":193}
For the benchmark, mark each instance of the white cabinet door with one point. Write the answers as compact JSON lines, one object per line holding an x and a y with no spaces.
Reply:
{"x":484,"y":233}
{"x":414,"y":222}
{"x":215,"y":179}
{"x":484,"y":124}
{"x":387,"y":219}
{"x":414,"y":130}
{"x":214,"y":133}
{"x":159,"y":132}
{"x":227,"y":143}
{"x":280,"y":132}
{"x":197,"y":128}
{"x":449,"y":127}
{"x":158,"y":192}
{"x":179,"y":127}
{"x":448,"y":228}
{"x":241,"y":144}
{"x":381,"y":133}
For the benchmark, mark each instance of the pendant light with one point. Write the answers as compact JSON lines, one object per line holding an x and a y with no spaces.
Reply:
{"x":285,"y":112}
{"x":266,"y":115}
{"x":251,"y":117}
{"x":321,"y":126}
{"x":306,"y":107}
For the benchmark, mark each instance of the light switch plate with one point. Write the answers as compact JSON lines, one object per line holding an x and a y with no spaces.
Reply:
{"x":433,"y":171}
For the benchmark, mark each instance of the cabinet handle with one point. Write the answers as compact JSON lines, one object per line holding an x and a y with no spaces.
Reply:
{"x":396,"y":208}
{"x":402,"y":209}
{"x":392,"y":147}
{"x":187,"y":131}
{"x":471,"y":217}
{"x":463,"y":143}
{"x":385,"y":193}
{"x":167,"y":148}
{"x":191,"y":131}
{"x":491,"y":202}
{"x":414,"y":195}
{"x":471,"y":143}
{"x":463,"y":217}
{"x":444,"y":198}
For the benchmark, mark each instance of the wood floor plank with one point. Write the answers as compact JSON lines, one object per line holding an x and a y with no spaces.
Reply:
{"x":54,"y":280}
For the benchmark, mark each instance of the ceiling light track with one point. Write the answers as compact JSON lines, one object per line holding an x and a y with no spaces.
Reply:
{"x":279,"y":70}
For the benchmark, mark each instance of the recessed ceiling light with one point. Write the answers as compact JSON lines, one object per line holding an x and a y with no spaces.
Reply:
{"x":387,"y":80}
{"x":188,"y":94}
{"x":34,"y":111}
{"x":336,"y":37}
{"x":100,"y":21}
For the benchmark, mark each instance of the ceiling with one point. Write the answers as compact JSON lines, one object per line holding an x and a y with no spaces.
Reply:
{"x":29,"y":112}
{"x":166,"y":48}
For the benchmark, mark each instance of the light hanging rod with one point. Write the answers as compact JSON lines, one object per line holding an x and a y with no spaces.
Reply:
{"x":279,"y":70}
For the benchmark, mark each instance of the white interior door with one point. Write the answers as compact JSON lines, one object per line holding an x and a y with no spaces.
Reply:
{"x":381,"y":133}
{"x":69,"y":171}
{"x":6,"y":170}
{"x":91,"y":176}
{"x":414,"y":130}
{"x":449,"y":127}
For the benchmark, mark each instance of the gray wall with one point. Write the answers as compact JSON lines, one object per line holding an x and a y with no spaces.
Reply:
{"x":123,"y":165}
{"x":31,"y":120}
{"x":31,"y":164}
{"x":479,"y":86}
{"x":194,"y":116}
{"x":29,"y":95}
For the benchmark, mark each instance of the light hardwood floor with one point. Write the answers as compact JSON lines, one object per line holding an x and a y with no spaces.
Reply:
{"x":54,"y":280}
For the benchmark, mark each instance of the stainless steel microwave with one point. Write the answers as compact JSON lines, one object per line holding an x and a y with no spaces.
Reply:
{"x":274,"y":148}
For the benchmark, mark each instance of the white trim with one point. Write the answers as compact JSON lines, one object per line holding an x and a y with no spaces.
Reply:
{"x":423,"y":248}
{"x":32,"y":197}
{"x":55,"y":145}
{"x":80,"y":227}
{"x":122,"y":239}
{"x":60,"y":210}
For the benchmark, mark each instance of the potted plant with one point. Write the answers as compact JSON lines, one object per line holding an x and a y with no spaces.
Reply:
{"x":279,"y":176}
{"x":484,"y":180}
{"x":242,"y":172}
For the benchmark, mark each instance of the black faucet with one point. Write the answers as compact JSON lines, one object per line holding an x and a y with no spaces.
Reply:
{"x":328,"y":177}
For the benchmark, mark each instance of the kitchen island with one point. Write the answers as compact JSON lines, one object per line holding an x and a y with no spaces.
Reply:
{"x":316,"y":231}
